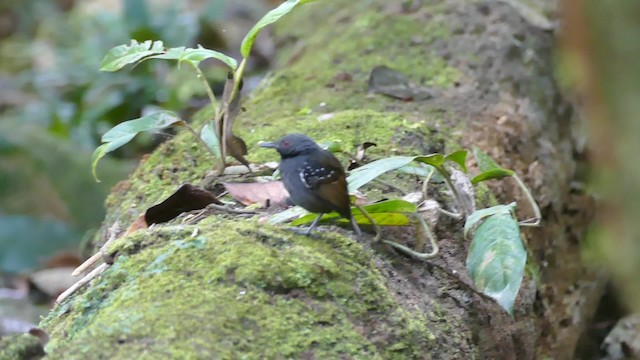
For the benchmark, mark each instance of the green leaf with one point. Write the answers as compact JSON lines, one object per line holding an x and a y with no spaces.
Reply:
{"x":497,"y":259}
{"x":436,"y":159}
{"x":364,"y":174}
{"x":125,"y":131}
{"x":386,"y":213}
{"x":208,"y":135}
{"x":488,"y":168}
{"x":194,"y":56}
{"x":288,"y":214}
{"x":268,"y":19}
{"x":104,"y":149}
{"x":459,"y":157}
{"x":123,"y":55}
{"x":491,"y":175}
{"x":478,"y":215}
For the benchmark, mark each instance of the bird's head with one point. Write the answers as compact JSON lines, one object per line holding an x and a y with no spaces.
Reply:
{"x":292,"y":145}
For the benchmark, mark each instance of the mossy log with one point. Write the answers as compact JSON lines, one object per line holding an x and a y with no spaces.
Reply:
{"x":231,"y":288}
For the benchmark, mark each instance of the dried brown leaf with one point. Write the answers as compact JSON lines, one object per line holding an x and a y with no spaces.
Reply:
{"x":264,"y":193}
{"x":187,"y":198}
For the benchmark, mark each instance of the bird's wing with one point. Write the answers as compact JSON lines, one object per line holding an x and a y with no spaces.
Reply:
{"x":320,"y":168}
{"x":323,"y":173}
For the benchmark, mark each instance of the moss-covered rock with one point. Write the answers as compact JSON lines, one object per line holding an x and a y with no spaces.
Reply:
{"x":227,"y":289}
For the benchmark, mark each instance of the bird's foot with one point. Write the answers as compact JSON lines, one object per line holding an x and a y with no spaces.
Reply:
{"x":304,"y":232}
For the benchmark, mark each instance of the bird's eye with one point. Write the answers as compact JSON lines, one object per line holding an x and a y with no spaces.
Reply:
{"x":285,"y":143}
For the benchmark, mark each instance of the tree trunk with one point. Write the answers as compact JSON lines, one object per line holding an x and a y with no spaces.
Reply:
{"x":234,"y":287}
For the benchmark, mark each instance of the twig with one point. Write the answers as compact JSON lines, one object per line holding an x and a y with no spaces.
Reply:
{"x":230,"y":210}
{"x":82,"y":282}
{"x":101,"y":254}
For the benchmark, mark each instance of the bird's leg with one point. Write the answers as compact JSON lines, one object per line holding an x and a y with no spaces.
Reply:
{"x":313,"y":224}
{"x":355,"y":226}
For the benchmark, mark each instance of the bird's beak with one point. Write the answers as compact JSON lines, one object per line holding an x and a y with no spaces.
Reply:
{"x":267,"y":144}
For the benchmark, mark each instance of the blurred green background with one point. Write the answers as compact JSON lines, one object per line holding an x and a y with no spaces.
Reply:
{"x":55,"y":105}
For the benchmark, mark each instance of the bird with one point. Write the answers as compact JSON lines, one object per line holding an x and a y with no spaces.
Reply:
{"x":314,"y":178}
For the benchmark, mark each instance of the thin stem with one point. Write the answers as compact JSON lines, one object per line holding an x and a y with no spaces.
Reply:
{"x":198,"y":138}
{"x":536,"y":210}
{"x":418,"y":255}
{"x":237,"y":77}
{"x":376,"y":228}
{"x":452,"y":188}
{"x":450,"y":214}
{"x":425,"y":184}
{"x":210,"y":94}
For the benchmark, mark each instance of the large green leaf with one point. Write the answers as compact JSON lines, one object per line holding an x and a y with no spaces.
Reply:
{"x":488,"y":168}
{"x":459,"y":157}
{"x":287,"y":215}
{"x":497,"y":259}
{"x":364,"y":174}
{"x":268,"y":19}
{"x":478,"y":215}
{"x":208,"y":135}
{"x":125,"y":131}
{"x":123,"y":55}
{"x":386,"y":213}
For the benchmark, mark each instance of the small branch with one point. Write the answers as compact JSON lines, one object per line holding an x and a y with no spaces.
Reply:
{"x":82,"y":282}
{"x":230,"y":210}
{"x":102,"y":252}
{"x":534,"y":222}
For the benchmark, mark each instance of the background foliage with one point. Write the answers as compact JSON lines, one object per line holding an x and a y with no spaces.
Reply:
{"x":55,"y":105}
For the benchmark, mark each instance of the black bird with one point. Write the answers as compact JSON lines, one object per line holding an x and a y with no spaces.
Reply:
{"x":314,"y":178}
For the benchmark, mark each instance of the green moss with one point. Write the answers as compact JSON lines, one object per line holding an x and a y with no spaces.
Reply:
{"x":251,"y":289}
{"x":20,"y":347}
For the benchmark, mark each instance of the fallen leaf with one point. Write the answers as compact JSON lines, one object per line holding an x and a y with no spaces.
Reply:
{"x":140,"y":223}
{"x":187,"y":198}
{"x":264,"y":193}
{"x":53,"y":281}
{"x":63,"y":259}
